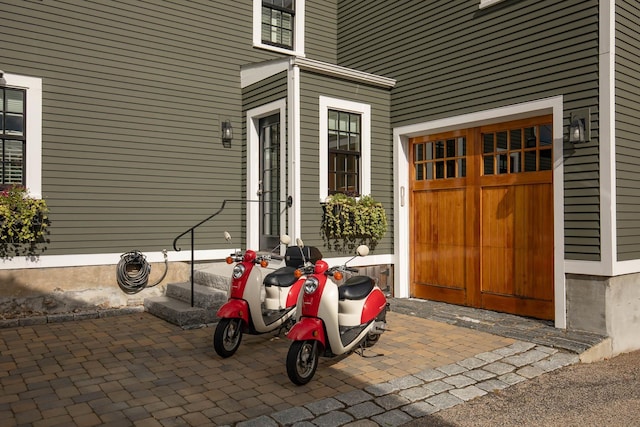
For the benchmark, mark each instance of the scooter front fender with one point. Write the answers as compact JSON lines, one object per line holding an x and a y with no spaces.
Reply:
{"x":308,"y":328}
{"x":233,"y":309}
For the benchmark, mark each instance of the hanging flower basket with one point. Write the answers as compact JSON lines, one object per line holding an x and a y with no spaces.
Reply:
{"x":348,"y":222}
{"x":23,"y":222}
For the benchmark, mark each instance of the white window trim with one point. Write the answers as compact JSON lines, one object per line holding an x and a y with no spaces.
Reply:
{"x":298,"y":30}
{"x":33,"y":157}
{"x":327,"y":103}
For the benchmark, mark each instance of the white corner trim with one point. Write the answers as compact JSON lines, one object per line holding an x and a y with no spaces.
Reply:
{"x":607,"y":139}
{"x":325,"y":104}
{"x":293,"y":143}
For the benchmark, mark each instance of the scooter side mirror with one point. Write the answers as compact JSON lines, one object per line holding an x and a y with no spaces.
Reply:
{"x":300,"y":243}
{"x":227,"y":236}
{"x":362,"y":250}
{"x":285,"y":239}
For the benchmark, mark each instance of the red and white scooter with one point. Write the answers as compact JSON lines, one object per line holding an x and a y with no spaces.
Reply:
{"x":335,"y":320}
{"x":258,"y":306}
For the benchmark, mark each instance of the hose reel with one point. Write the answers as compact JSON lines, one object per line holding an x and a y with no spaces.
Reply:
{"x":133,"y":271}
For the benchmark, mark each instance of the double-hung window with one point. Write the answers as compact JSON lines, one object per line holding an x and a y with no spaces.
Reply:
{"x":277,"y":22}
{"x":12,"y":136}
{"x":278,"y":25}
{"x":21,"y":133}
{"x":344,"y":152}
{"x":345,"y":147}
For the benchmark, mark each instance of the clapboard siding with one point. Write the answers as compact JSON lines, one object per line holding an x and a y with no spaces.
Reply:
{"x":627,"y":122}
{"x":133,"y":96}
{"x":450,"y":58}
{"x":321,"y":30}
{"x":312,"y":86}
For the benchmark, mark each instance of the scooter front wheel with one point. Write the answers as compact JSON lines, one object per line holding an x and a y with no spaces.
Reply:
{"x":302,"y":361}
{"x":227,"y":336}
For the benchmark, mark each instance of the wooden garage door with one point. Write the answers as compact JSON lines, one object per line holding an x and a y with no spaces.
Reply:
{"x":482,"y":217}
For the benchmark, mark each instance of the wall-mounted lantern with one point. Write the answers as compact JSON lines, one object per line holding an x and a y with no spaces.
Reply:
{"x":3,"y":82}
{"x":580,"y":126}
{"x":227,"y":134}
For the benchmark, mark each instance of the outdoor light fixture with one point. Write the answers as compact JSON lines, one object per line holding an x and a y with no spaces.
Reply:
{"x":580,"y":126}
{"x":227,"y":134}
{"x":3,"y":82}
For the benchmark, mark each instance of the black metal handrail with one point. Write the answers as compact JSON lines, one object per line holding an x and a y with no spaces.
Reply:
{"x":191,"y":231}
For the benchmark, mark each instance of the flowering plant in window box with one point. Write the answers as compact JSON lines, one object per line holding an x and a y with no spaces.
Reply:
{"x":348,"y":222}
{"x":23,"y":222}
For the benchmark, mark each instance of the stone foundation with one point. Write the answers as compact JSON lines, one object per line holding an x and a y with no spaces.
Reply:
{"x":608,"y":306}
{"x":47,"y":291}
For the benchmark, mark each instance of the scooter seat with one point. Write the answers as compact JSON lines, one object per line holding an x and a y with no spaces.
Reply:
{"x":282,"y":277}
{"x":355,"y":288}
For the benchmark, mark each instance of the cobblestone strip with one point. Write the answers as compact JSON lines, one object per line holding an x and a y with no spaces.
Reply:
{"x":403,"y":399}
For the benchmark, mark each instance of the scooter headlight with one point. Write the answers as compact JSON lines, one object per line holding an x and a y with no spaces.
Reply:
{"x":238,"y":271}
{"x":310,"y":285}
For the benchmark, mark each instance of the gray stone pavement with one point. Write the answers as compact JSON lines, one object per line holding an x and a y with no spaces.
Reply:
{"x":135,"y":369}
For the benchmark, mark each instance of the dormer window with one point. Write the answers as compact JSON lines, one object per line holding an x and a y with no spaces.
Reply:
{"x":278,"y":25}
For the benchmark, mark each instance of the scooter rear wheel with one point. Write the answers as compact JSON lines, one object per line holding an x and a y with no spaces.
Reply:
{"x":302,"y":361}
{"x":227,"y":337}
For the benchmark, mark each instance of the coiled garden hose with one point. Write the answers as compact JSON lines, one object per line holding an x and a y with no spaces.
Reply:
{"x":133,"y":271}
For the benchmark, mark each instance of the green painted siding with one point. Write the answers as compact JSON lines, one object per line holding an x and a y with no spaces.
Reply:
{"x":450,"y":58}
{"x":133,"y":96}
{"x":627,"y":125}
{"x":312,"y":86}
{"x":321,"y":30}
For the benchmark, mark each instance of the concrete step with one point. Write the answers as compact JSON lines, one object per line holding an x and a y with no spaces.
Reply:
{"x":178,"y":312}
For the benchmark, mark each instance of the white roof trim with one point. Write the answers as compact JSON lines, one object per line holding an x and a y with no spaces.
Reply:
{"x":253,"y":73}
{"x":342,"y":72}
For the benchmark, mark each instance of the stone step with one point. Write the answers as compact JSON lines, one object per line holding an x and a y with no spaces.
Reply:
{"x":204,"y":296}
{"x":178,"y":312}
{"x":214,"y":275}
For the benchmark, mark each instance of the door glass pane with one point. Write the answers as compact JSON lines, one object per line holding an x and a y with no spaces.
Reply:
{"x":501,"y":141}
{"x":451,"y":147}
{"x":418,"y":152}
{"x":530,"y":137}
{"x":502,"y":163}
{"x":462,"y":147}
{"x":462,"y":167}
{"x":546,"y":135}
{"x":515,"y":137}
{"x":451,"y":168}
{"x":488,"y":165}
{"x":530,"y":161}
{"x":487,"y":140}
{"x":545,"y":160}
{"x":439,"y":170}
{"x":419,"y":171}
{"x":516,"y":162}
{"x":439,"y":149}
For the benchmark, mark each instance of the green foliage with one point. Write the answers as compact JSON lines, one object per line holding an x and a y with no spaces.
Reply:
{"x":23,"y":222}
{"x":348,"y":222}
